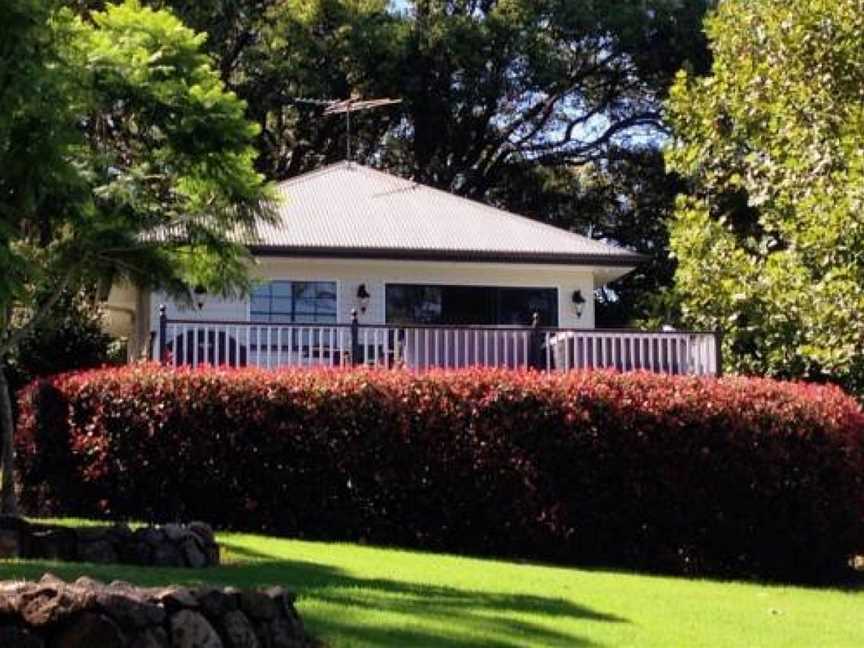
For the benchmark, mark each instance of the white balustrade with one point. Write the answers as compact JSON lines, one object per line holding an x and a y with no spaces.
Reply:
{"x":274,"y":346}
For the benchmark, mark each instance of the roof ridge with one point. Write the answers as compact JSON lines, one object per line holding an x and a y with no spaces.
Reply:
{"x":314,"y":173}
{"x":617,"y":249}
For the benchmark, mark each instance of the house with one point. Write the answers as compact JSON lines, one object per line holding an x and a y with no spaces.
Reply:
{"x":354,"y":241}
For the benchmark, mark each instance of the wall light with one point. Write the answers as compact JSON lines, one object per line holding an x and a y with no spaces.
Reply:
{"x":578,"y":302}
{"x":363,"y":297}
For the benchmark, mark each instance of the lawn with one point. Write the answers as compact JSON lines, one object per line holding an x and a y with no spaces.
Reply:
{"x":363,"y":596}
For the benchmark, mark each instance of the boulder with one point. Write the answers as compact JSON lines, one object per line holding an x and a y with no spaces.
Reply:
{"x":191,"y":630}
{"x":167,"y":555}
{"x":258,"y":605}
{"x":88,"y":631}
{"x":152,"y":638}
{"x":44,"y":605}
{"x":239,"y":632}
{"x":129,"y":609}
{"x":193,"y":552}
{"x":97,"y":551}
{"x":215,"y":603}
{"x":203,"y":531}
{"x":19,"y":638}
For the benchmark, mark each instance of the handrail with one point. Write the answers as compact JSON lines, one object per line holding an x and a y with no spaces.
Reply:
{"x":425,"y":346}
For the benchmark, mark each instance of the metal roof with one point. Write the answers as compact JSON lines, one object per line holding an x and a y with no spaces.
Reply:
{"x":352,"y":211}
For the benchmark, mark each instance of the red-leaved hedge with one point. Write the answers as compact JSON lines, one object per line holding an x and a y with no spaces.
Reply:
{"x":731,"y":476}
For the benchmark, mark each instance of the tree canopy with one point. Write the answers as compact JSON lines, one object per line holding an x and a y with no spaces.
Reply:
{"x":502,"y":99}
{"x":770,"y":233}
{"x":122,"y":156}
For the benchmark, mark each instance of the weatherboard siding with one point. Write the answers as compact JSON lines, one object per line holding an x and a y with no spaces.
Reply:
{"x":349,"y":274}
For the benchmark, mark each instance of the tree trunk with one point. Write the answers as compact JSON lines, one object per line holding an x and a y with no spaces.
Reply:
{"x":8,"y":500}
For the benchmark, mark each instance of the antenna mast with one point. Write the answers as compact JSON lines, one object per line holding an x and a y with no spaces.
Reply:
{"x":347,"y":106}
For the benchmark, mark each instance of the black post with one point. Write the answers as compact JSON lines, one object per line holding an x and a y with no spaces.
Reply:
{"x":535,"y":361}
{"x":355,"y":338}
{"x":163,"y":332}
{"x":718,"y":352}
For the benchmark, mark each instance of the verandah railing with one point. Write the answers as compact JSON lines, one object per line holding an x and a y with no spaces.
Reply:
{"x":237,"y":344}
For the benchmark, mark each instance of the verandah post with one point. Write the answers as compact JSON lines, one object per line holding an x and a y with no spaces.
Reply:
{"x":718,"y":352}
{"x":163,"y":332}
{"x":536,"y":346}
{"x":355,"y":338}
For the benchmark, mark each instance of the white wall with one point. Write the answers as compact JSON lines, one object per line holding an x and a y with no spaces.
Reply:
{"x":349,"y":274}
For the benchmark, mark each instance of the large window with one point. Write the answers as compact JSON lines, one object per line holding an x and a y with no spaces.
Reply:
{"x":465,"y":305}
{"x":303,"y":302}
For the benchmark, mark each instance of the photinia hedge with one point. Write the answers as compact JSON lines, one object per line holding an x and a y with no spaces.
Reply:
{"x":736,"y":476}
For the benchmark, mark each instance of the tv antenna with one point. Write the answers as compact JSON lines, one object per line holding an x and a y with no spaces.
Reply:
{"x":347,"y":106}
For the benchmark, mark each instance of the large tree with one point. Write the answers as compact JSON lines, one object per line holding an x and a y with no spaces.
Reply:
{"x":122,"y":157}
{"x":550,"y":107}
{"x":770,"y":235}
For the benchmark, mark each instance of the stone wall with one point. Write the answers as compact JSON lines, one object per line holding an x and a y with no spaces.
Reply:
{"x":88,"y":614}
{"x":172,"y":545}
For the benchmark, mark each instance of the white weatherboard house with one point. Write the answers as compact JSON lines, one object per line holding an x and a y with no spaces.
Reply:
{"x":434,"y":280}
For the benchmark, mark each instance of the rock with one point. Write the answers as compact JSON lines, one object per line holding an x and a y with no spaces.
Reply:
{"x":212,"y":551}
{"x":50,"y":579}
{"x":9,"y":544}
{"x":54,"y":544}
{"x":92,"y":534}
{"x":203,"y":531}
{"x":96,"y":551}
{"x":193,"y":552}
{"x":191,"y":630}
{"x":129,"y":609}
{"x":283,"y":599}
{"x":137,"y":553}
{"x":167,"y":555}
{"x":215,"y":603}
{"x":174,"y":532}
{"x":45,"y":605}
{"x":175,"y":598}
{"x":14,"y":537}
{"x":90,"y":630}
{"x":239,"y":632}
{"x":258,"y":605}
{"x":16,"y":637}
{"x":87,"y":582}
{"x":152,"y":638}
{"x":149,"y":535}
{"x":120,"y":532}
{"x":286,"y":633}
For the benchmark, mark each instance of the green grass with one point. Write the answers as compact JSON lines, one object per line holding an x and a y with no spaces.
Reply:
{"x":362,"y":596}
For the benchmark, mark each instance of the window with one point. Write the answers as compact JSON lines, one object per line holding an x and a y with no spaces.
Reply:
{"x":470,"y":305}
{"x":302,"y":302}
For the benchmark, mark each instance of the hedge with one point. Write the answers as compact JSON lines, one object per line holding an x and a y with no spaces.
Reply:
{"x":734,"y":476}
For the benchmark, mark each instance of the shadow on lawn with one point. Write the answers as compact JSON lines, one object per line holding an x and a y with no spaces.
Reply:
{"x":341,"y":605}
{"x":460,"y":613}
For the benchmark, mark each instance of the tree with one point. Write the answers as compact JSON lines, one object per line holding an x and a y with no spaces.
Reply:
{"x":769,"y":236}
{"x":549,"y":108}
{"x":122,"y":157}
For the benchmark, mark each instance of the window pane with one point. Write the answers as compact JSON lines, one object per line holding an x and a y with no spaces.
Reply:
{"x":517,"y":306}
{"x":470,"y":305}
{"x":301,"y":302}
{"x":412,"y":304}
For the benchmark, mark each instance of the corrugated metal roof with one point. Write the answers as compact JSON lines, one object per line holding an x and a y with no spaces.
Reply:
{"x":350,"y":210}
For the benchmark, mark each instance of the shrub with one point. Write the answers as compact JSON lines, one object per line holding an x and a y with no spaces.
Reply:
{"x":733,"y":476}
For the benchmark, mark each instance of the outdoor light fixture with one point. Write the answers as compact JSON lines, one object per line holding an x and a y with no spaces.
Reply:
{"x":578,"y":302}
{"x":200,"y":293}
{"x":363,"y":297}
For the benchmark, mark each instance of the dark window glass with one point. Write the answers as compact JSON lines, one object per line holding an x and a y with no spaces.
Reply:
{"x":302,"y":302}
{"x":470,"y":305}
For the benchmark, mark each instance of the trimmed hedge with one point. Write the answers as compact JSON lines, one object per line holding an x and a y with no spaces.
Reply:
{"x":734,"y":476}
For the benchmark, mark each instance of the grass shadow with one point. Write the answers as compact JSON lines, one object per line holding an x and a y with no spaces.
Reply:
{"x":369,"y":611}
